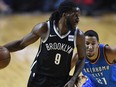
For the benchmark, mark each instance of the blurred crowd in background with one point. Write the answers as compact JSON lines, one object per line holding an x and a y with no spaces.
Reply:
{"x":88,"y":7}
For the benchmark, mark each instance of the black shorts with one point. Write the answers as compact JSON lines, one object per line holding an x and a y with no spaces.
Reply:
{"x":46,"y":81}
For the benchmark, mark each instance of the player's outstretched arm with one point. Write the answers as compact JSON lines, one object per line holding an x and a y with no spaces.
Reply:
{"x":30,"y":38}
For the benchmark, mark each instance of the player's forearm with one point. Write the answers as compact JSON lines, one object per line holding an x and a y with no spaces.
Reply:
{"x":78,"y":69}
{"x":74,"y":60}
{"x":14,"y":46}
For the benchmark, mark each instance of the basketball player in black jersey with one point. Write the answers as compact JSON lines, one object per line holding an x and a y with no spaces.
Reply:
{"x":59,"y":36}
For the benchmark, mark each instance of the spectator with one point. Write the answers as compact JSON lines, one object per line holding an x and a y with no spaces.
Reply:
{"x":4,"y":8}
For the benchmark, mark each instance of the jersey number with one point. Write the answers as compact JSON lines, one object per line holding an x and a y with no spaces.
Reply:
{"x":101,"y":81}
{"x":57,"y":59}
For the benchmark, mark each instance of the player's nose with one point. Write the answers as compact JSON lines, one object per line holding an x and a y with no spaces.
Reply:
{"x":90,"y":46}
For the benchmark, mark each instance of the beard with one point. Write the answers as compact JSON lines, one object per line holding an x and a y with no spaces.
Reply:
{"x":69,"y":25}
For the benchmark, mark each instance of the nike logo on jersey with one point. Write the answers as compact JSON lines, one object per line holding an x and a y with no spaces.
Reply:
{"x":52,"y":35}
{"x":33,"y":74}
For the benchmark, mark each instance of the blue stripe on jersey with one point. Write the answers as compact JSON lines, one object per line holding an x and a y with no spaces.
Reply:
{"x":101,"y":73}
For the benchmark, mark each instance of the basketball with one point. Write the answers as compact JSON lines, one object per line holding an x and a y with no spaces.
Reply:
{"x":4,"y":57}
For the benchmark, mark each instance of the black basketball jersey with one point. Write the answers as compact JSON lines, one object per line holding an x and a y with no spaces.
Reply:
{"x":55,"y":53}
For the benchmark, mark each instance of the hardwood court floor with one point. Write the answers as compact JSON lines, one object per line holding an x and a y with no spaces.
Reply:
{"x":16,"y":26}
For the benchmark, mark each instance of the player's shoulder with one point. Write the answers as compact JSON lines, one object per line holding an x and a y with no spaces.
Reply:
{"x":107,"y":48}
{"x":110,"y":53}
{"x":78,"y":31}
{"x":40,"y":25}
{"x":40,"y":28}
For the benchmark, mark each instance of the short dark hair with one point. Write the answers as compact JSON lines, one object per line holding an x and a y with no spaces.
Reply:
{"x":92,"y":33}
